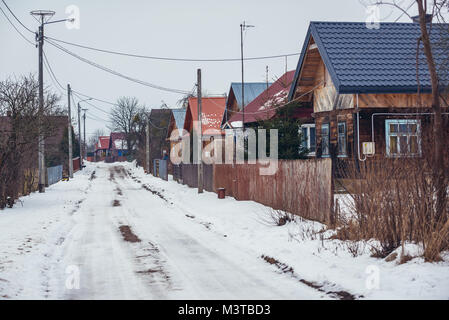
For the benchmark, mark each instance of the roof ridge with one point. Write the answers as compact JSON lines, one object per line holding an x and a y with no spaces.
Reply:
{"x":364,"y":22}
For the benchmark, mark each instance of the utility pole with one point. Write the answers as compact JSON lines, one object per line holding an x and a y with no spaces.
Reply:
{"x":200,"y":135}
{"x":42,"y":16}
{"x":147,"y":146}
{"x":79,"y":130}
{"x":79,"y":136}
{"x":41,"y":143}
{"x":243,"y":27}
{"x":69,"y":128}
{"x":84,"y":125}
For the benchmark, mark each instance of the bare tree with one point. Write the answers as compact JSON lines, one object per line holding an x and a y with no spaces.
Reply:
{"x":19,"y":131}
{"x":94,"y":139}
{"x":125,"y":117}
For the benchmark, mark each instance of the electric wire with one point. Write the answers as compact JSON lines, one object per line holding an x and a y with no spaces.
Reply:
{"x":15,"y":28}
{"x":172,"y":59}
{"x":116,"y":73}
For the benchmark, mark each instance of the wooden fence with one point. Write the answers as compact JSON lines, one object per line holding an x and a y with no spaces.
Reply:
{"x":189,"y":175}
{"x":302,"y":187}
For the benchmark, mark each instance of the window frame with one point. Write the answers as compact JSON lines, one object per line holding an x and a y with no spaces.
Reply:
{"x":326,"y":125}
{"x":307,"y":142}
{"x":388,"y":134}
{"x":345,"y":154}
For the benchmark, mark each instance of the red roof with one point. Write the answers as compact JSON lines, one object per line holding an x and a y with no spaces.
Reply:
{"x":103,"y":143}
{"x":263,"y":107}
{"x":212,"y":114}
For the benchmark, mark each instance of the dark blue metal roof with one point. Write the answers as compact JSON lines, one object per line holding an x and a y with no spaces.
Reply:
{"x":252,"y":90}
{"x":363,"y":60}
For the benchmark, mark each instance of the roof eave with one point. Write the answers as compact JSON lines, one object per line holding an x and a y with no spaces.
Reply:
{"x":382,"y":89}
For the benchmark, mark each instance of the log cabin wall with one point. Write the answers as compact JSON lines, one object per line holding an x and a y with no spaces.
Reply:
{"x":333,"y":118}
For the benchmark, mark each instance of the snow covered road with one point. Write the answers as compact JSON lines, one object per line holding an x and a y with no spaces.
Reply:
{"x":114,"y":232}
{"x":173,"y":256}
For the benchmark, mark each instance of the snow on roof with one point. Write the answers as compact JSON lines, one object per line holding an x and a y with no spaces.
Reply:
{"x":103,"y":143}
{"x":261,"y":108}
{"x":212,"y":113}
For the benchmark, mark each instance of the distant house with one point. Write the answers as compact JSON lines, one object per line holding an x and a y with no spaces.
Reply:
{"x":102,"y":148}
{"x":213,"y":109}
{"x":176,"y":125}
{"x":362,"y":85}
{"x":159,"y":121}
{"x":118,"y":148}
{"x":234,"y":101}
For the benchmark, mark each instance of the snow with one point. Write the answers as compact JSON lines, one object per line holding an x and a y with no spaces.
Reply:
{"x":120,"y":144}
{"x":237,"y":124}
{"x":193,"y":246}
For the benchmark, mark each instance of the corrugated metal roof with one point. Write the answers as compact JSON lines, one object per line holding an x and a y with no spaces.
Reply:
{"x":383,"y":60}
{"x":179,"y":115}
{"x":252,"y":90}
{"x":212,"y":113}
{"x":260,"y":107}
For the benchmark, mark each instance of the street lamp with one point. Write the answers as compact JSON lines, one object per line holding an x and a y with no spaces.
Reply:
{"x":43,"y":18}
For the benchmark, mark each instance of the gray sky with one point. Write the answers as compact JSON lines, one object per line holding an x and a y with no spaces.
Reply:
{"x":170,"y":28}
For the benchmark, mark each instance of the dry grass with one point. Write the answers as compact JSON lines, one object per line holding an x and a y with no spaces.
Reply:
{"x":397,"y":200}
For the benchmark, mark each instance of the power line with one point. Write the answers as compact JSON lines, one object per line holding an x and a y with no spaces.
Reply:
{"x":172,"y":59}
{"x":153,"y":57}
{"x":14,"y":26}
{"x":53,"y":76}
{"x":76,"y":94}
{"x":15,"y":17}
{"x":116,"y":72}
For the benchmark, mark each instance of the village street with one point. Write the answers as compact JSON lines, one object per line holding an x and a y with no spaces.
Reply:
{"x":175,"y":256}
{"x":114,"y":232}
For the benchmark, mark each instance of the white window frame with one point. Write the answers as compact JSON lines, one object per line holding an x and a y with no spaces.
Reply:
{"x":308,"y":126}
{"x":388,"y":134}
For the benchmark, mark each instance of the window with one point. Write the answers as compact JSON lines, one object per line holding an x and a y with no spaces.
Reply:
{"x":325,"y":139}
{"x":342,"y":145}
{"x":308,"y":137}
{"x":403,"y":137}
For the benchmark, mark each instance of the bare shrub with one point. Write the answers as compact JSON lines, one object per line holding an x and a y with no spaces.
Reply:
{"x":394,"y":200}
{"x":275,"y":217}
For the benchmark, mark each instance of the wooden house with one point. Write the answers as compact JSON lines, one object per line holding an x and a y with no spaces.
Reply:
{"x":159,"y":120}
{"x":102,"y":148}
{"x":213,"y":109}
{"x":118,"y":148}
{"x":234,"y":100}
{"x":176,"y":126}
{"x":362,"y":85}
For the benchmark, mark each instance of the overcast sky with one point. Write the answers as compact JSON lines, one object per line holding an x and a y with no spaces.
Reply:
{"x":179,"y":29}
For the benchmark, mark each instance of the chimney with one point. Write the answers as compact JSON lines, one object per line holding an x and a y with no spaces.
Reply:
{"x":428,"y":18}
